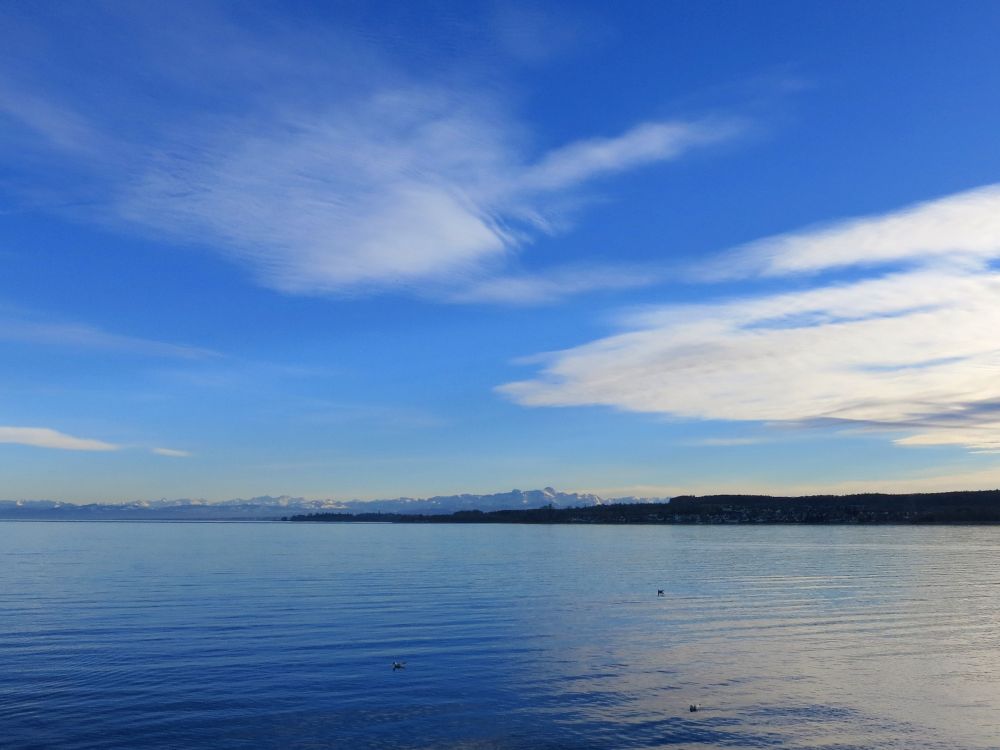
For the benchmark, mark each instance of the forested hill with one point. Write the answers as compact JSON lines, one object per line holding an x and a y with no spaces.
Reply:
{"x":938,"y":507}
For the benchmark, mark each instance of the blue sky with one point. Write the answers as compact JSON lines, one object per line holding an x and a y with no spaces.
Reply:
{"x":374,"y":249}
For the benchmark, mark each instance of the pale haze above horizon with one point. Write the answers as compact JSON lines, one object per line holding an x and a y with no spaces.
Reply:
{"x":381,"y":249}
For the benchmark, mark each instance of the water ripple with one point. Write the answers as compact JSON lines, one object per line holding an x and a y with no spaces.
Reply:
{"x":132,"y":635}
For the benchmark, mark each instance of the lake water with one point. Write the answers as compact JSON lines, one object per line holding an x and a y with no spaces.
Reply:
{"x":218,"y":635}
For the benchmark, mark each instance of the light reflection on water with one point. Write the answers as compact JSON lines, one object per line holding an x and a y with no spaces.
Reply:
{"x":128,"y":635}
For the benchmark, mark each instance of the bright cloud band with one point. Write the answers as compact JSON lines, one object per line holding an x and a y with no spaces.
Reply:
{"x":43,"y":437}
{"x":916,"y":351}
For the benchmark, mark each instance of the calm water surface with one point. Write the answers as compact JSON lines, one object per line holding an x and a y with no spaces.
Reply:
{"x":186,"y":635}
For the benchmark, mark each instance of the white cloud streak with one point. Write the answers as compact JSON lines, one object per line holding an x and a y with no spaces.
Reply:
{"x":727,"y":442}
{"x":403,"y":188}
{"x":170,"y":452}
{"x":554,"y":285}
{"x":958,"y":228}
{"x":89,"y":337}
{"x":61,"y":127}
{"x":303,"y":153}
{"x":915,"y":351}
{"x":643,"y":144}
{"x":43,"y":437}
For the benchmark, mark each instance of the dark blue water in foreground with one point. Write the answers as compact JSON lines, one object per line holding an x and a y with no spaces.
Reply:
{"x":173,"y":635}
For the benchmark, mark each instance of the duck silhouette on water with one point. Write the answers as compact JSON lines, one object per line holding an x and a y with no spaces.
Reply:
{"x":398,"y":665}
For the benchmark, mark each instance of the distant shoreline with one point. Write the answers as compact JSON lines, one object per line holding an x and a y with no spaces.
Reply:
{"x":941,"y":508}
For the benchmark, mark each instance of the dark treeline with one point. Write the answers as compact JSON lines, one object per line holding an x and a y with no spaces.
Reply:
{"x":938,"y":507}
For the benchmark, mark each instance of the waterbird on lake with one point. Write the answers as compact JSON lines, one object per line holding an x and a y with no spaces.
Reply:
{"x":693,"y":707}
{"x":398,"y":665}
{"x":659,"y":592}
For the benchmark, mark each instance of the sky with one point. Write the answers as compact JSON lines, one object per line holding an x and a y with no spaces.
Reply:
{"x":379,"y":249}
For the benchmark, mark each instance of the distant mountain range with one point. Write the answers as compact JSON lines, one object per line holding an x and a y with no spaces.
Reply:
{"x":268,"y":508}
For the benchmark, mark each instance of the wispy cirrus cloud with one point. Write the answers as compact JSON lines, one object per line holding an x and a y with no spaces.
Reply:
{"x":956,"y":228}
{"x":406,"y":188}
{"x":170,"y":452}
{"x":77,"y":335}
{"x":912,"y":351}
{"x":44,"y":437}
{"x":646,"y":143}
{"x":554,"y":285}
{"x":331,"y":169}
{"x":732,"y":442}
{"x":60,"y":126}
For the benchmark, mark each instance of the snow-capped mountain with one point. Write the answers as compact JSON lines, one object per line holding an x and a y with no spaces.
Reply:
{"x":515,"y":499}
{"x":268,"y":507}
